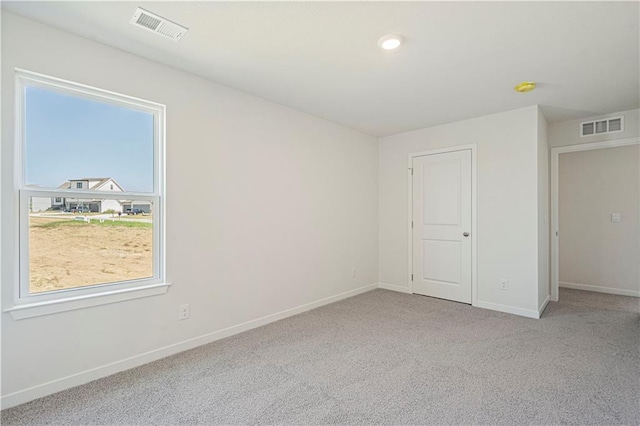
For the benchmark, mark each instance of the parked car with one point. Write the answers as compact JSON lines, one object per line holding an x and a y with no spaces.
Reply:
{"x":83,"y":209}
{"x":134,"y":211}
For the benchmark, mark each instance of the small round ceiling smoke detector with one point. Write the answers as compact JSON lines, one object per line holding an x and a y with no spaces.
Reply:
{"x":390,"y":41}
{"x":525,"y":86}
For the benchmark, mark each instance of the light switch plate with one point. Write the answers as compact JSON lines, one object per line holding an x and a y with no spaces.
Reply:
{"x":615,"y":217}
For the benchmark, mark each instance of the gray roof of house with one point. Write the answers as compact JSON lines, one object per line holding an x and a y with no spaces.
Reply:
{"x":101,"y":181}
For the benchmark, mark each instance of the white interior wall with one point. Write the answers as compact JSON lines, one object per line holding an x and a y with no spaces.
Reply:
{"x":568,"y":132}
{"x":507,"y":204}
{"x":544,"y":291}
{"x":313,"y":183}
{"x":595,"y":253}
{"x":288,"y":205}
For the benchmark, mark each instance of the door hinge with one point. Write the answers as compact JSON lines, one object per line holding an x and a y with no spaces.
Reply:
{"x":411,"y":172}
{"x":412,"y":224}
{"x":411,"y":277}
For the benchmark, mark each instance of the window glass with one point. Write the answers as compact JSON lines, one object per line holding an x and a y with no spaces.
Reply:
{"x":71,"y":138}
{"x":90,"y":242}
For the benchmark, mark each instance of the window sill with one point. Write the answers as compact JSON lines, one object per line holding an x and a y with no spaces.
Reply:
{"x":36,"y":309}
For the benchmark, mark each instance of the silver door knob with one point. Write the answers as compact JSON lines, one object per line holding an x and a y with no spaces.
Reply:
{"x":465,"y":234}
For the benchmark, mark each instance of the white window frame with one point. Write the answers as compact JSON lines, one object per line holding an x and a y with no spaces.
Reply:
{"x":27,"y":305}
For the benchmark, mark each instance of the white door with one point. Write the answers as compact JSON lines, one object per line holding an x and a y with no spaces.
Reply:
{"x":442,"y":225}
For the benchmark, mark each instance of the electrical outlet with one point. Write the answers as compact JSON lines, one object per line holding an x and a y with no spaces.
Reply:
{"x":504,"y":284}
{"x":353,"y":272}
{"x":184,"y":312}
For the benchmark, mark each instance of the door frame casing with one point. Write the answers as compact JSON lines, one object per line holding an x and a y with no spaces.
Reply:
{"x":474,"y":225}
{"x":555,"y":200}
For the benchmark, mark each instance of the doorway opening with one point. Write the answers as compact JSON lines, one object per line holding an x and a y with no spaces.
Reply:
{"x":595,"y":206}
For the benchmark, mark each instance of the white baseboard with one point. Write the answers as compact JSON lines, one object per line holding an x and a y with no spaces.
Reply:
{"x":529,"y":313}
{"x":393,"y":287}
{"x":87,"y":376}
{"x":544,"y":305}
{"x":608,"y":290}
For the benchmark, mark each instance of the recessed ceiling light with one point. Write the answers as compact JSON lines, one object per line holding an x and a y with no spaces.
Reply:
{"x":525,"y":86}
{"x":390,"y":41}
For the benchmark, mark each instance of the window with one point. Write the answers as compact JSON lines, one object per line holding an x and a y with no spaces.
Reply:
{"x":68,"y":131}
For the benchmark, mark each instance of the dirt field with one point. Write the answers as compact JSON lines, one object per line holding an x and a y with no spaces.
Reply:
{"x":67,"y":253}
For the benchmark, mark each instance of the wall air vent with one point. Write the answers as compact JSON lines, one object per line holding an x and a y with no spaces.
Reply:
{"x":599,"y":127}
{"x":157,"y":24}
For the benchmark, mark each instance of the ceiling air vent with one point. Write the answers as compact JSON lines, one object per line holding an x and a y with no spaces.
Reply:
{"x":157,"y":24}
{"x":599,"y":127}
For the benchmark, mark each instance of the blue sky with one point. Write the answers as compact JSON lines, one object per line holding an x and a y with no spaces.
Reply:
{"x":68,"y":137}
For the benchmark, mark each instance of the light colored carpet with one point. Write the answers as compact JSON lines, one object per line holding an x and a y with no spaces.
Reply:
{"x":381,"y":358}
{"x":599,"y":300}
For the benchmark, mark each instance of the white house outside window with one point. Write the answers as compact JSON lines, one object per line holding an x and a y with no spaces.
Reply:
{"x":90,"y":187}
